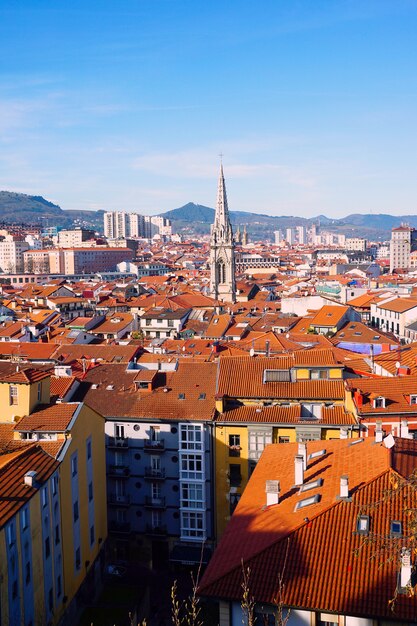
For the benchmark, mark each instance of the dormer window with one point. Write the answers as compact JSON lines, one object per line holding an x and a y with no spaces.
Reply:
{"x":396,"y":529}
{"x":413,"y":399}
{"x":379,"y":403}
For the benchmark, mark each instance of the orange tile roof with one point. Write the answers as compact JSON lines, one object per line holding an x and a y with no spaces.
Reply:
{"x":54,"y":418}
{"x":14,"y":494}
{"x":243,"y":378}
{"x":285,"y":415}
{"x":329,"y":315}
{"x":325,"y":565}
{"x":399,"y":305}
{"x":395,"y":390}
{"x":25,"y":376}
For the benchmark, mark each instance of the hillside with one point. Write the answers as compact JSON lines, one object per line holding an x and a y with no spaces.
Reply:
{"x":195,"y":219}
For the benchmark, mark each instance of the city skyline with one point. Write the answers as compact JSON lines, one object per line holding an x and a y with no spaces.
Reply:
{"x":127,"y":107}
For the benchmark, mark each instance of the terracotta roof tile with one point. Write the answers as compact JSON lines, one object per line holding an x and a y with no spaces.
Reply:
{"x":54,"y":418}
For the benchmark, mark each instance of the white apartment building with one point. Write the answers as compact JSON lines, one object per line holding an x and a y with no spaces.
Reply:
{"x":355,"y":243}
{"x":11,"y":255}
{"x":403,"y":242}
{"x":290,"y":236}
{"x":278,"y":237}
{"x":301,"y":234}
{"x":120,"y":224}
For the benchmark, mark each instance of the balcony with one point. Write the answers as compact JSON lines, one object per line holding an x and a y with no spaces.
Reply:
{"x":118,"y":443}
{"x":151,"y":445}
{"x":119,"y":471}
{"x":154,"y":474}
{"x":122,"y":528}
{"x":117,"y":500}
{"x":154,"y":503}
{"x":156,"y":530}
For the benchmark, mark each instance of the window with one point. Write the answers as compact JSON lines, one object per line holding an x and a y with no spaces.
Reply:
{"x":396,"y":529}
{"x":74,"y":465}
{"x":27,"y":572}
{"x":413,"y":399}
{"x":13,"y":397}
{"x":191,"y":466}
{"x":319,"y":374}
{"x":58,"y":586}
{"x":57,"y":535}
{"x":283,"y":440}
{"x":47,"y":548}
{"x":92,"y":535}
{"x":90,"y":491}
{"x":202,"y":396}
{"x":379,"y":403}
{"x":154,"y":434}
{"x":235,"y":476}
{"x":192,"y":496}
{"x":234,"y":445}
{"x":362,"y":526}
{"x":10,"y":534}
{"x":39,"y":392}
{"x":14,"y":590}
{"x":88,"y":449}
{"x":54,"y":485}
{"x":258,"y":439}
{"x":119,"y":431}
{"x":25,"y":518}
{"x":191,"y":437}
{"x":307,"y":502}
{"x":233,"y":501}
{"x":78,"y":558}
{"x":44,"y":498}
{"x":311,"y":485}
{"x":155,"y":491}
{"x":192,"y":525}
{"x":170,"y":323}
{"x":76,"y":513}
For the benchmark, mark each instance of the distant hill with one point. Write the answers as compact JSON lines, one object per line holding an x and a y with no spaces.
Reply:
{"x":195,"y":219}
{"x":23,"y":208}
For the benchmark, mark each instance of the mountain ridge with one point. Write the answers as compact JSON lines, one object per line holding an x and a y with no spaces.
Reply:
{"x":195,"y":219}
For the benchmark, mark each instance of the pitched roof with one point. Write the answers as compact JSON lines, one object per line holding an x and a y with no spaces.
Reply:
{"x":242,"y":377}
{"x":324,"y":564}
{"x":14,"y":494}
{"x":25,"y":376}
{"x":336,"y":415}
{"x":54,"y":418}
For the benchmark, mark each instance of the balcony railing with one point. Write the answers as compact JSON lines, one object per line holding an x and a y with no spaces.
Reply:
{"x":151,"y":445}
{"x":156,"y":530}
{"x":117,"y":500}
{"x":119,"y":471}
{"x":121,"y":443}
{"x":154,"y":503}
{"x":154,"y":474}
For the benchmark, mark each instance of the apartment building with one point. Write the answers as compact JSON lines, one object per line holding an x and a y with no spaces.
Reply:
{"x":74,"y":238}
{"x":11,"y":255}
{"x":403,"y":242}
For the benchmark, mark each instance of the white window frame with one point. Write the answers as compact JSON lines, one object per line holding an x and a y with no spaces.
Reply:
{"x":193,"y":525}
{"x":192,"y":461}
{"x":192,"y":496}
{"x":191,"y":437}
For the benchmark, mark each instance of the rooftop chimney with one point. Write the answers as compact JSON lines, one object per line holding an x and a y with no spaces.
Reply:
{"x":272,"y":489}
{"x":267,"y":348}
{"x":299,"y":469}
{"x":405,"y":575}
{"x":343,"y":432}
{"x":344,"y":486}
{"x":404,"y":430}
{"x":379,"y":433}
{"x":30,"y":478}
{"x":302,"y":451}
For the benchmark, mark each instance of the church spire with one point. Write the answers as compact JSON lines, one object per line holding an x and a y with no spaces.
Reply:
{"x":222,"y":220}
{"x":222,"y":261}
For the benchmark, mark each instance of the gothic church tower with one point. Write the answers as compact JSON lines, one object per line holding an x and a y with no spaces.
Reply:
{"x":222,"y":260}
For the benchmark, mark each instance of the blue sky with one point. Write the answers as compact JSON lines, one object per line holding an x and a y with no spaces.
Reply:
{"x":126,"y":104}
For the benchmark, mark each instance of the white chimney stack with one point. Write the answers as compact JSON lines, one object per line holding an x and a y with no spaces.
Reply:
{"x":405,"y":568}
{"x":30,"y":478}
{"x":343,"y":433}
{"x":344,"y":486}
{"x":302,"y":451}
{"x":299,"y":469}
{"x":379,"y":433}
{"x":272,"y":489}
{"x":404,"y":430}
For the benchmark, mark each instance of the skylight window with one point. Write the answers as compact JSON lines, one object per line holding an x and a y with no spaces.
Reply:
{"x":181,"y":396}
{"x":355,"y":442}
{"x":315,"y":455}
{"x":202,"y":396}
{"x":307,"y":502}
{"x":362,"y":525}
{"x":396,"y":529}
{"x":311,"y":485}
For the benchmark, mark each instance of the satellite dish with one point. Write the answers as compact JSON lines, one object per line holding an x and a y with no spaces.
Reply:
{"x":389,"y":441}
{"x":251,"y":352}
{"x":398,"y":365}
